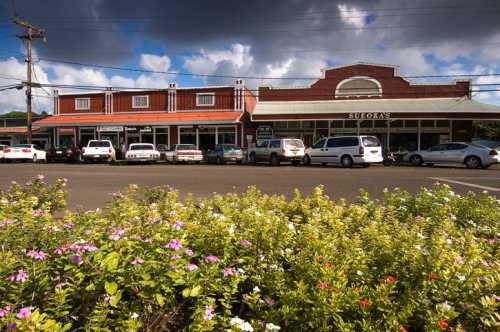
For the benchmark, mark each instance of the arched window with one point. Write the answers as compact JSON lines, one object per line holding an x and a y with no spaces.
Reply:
{"x":359,"y":86}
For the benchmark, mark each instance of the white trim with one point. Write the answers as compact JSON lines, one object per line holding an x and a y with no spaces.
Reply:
{"x":205,"y":94}
{"x":339,"y":93}
{"x":82,"y":108}
{"x":88,"y":113}
{"x":208,"y":110}
{"x":134,"y":105}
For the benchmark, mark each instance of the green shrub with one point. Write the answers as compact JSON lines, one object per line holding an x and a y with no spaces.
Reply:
{"x":249,"y":262}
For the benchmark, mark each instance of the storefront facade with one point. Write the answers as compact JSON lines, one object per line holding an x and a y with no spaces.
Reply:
{"x":367,"y":99}
{"x":201,"y":116}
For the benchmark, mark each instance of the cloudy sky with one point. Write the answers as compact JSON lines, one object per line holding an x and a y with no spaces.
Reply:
{"x":259,"y":38}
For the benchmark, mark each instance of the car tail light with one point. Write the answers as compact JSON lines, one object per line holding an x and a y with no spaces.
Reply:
{"x":68,"y":151}
{"x":7,"y":150}
{"x":26,"y":150}
{"x":361,"y":150}
{"x":493,"y":152}
{"x":109,"y":150}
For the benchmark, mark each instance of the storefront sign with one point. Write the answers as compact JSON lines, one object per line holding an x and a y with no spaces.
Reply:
{"x":370,"y":116}
{"x":130,"y":129}
{"x":110,"y":128}
{"x":264,"y":132}
{"x":146,"y":130}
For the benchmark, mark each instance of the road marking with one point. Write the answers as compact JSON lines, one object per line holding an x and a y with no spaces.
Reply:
{"x":467,"y":184}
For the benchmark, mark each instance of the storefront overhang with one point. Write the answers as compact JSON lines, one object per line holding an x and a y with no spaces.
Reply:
{"x":187,"y":118}
{"x":376,"y":109}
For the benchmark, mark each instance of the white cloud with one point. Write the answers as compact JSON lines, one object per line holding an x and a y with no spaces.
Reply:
{"x":353,"y":16}
{"x":208,"y":61}
{"x":155,"y":62}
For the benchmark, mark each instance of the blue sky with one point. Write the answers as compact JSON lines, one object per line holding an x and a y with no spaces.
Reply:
{"x":282,"y":39}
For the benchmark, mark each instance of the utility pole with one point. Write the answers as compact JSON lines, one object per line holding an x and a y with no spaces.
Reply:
{"x":31,"y":32}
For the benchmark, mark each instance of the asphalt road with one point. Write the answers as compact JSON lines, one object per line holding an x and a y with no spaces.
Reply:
{"x":90,"y":185}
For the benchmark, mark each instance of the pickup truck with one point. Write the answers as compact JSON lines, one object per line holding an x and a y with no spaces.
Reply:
{"x":184,"y":153}
{"x":276,"y":150}
{"x":99,"y":150}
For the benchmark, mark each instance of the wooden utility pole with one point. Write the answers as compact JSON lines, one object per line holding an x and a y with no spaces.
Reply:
{"x":31,"y":32}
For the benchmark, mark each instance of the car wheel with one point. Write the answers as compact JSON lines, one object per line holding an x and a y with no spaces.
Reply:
{"x":307,"y":160}
{"x":416,"y":160}
{"x":220,"y":161}
{"x":35,"y":159}
{"x":252,"y":158}
{"x":346,"y":162}
{"x":473,"y":162}
{"x":274,"y":161}
{"x":366,"y":165}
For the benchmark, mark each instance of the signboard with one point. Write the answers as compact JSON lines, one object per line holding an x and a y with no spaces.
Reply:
{"x":130,"y":128}
{"x":370,"y":116}
{"x":110,"y":128}
{"x":264,"y":132}
{"x":146,"y":130}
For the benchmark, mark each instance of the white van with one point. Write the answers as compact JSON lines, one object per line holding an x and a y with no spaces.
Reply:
{"x":346,"y":151}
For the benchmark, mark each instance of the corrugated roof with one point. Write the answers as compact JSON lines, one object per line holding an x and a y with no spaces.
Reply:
{"x":427,"y":105}
{"x":140,"y":118}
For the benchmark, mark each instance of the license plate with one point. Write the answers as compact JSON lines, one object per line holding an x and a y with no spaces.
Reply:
{"x":374,"y":151}
{"x":59,"y":152}
{"x":96,"y":156}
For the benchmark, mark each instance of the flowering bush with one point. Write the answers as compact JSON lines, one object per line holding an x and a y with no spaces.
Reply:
{"x":249,"y":262}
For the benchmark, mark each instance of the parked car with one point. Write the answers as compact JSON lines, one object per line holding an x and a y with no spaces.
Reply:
{"x":346,"y":151}
{"x":24,"y":152}
{"x":184,"y":153}
{"x":2,"y":148}
{"x":142,"y":152}
{"x":277,"y":150}
{"x":162,"y":149}
{"x":471,"y":155}
{"x":225,"y":153}
{"x":63,"y":154}
{"x":99,"y":150}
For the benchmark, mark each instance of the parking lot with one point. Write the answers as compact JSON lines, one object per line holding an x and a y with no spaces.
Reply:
{"x":90,"y":185}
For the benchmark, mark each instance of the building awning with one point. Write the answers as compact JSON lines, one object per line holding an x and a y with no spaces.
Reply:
{"x":15,"y":130}
{"x":184,"y":118}
{"x":453,"y":108}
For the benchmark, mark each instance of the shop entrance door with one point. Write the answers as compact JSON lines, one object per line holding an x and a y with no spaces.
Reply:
{"x":206,"y":139}
{"x":113,"y":137}
{"x":132,"y":138}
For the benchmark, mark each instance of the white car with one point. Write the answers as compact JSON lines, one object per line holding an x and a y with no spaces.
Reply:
{"x":24,"y":152}
{"x":184,"y":153}
{"x":142,"y":152}
{"x":99,"y":150}
{"x":346,"y":151}
{"x":2,"y":155}
{"x":469,"y":154}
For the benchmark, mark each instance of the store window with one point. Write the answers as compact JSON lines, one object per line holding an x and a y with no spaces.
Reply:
{"x":337,"y":124}
{"x":293,"y":124}
{"x":442,"y":123}
{"x":187,"y":136}
{"x":161,"y":136}
{"x":206,"y":138}
{"x":140,"y":101}
{"x":397,"y":124}
{"x":226,"y":135}
{"x":427,"y":123}
{"x":86,"y":134}
{"x":205,"y":99}
{"x":321,"y":124}
{"x":279,"y":125}
{"x":411,"y":123}
{"x":82,"y":104}
{"x":366,"y":124}
{"x":351,"y":124}
{"x":308,"y":124}
{"x":380,"y":123}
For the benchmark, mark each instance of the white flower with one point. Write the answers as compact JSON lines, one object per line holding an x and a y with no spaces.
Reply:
{"x":359,"y":273}
{"x":231,"y":229}
{"x":445,"y":306}
{"x":236,"y":321}
{"x":291,"y":226}
{"x":461,"y":278}
{"x":241,"y":271}
{"x":256,"y":289}
{"x":134,"y":315}
{"x":246,"y":327}
{"x":288,"y":250}
{"x":420,"y":235}
{"x":272,"y":327}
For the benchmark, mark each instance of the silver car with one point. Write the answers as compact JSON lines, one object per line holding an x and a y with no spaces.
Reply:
{"x":471,"y":155}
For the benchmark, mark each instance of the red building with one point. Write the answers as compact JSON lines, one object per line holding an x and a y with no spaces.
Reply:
{"x":372,"y":99}
{"x":202,"y":116}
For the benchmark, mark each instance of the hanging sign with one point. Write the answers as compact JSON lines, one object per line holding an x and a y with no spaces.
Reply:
{"x":110,"y":128}
{"x":264,"y":132}
{"x":370,"y":116}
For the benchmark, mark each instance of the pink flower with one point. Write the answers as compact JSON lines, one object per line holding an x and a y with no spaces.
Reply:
{"x":60,"y":285}
{"x":148,"y":241}
{"x":40,"y":177}
{"x":212,"y":259}
{"x":11,"y":326}
{"x":68,"y":225}
{"x":5,"y":311}
{"x":137,"y":261}
{"x":322,"y":285}
{"x":65,"y":180}
{"x":116,"y":235}
{"x":6,"y":222}
{"x":227,"y":271}
{"x":363,"y":303}
{"x":209,"y":313}
{"x":76,"y":259}
{"x":174,"y":244}
{"x":191,"y":267}
{"x":37,"y":213}
{"x":245,"y":243}
{"x":37,"y":255}
{"x":177,"y":225}
{"x":188,"y":252}
{"x":459,"y":260}
{"x":24,"y":312}
{"x":269,"y":301}
{"x":175,"y":256}
{"x":21,"y":276}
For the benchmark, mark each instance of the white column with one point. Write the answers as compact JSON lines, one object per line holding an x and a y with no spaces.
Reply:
{"x":197,"y":138}
{"x":216,"y":135}
{"x":388,"y":135}
{"x":172,"y":98}
{"x":451,"y":131}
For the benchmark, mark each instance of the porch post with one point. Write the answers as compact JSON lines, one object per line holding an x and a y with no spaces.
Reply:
{"x":216,"y":135}
{"x":357,"y":125}
{"x":451,"y":131}
{"x":388,"y":135}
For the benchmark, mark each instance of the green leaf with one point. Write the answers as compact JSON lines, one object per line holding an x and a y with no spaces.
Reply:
{"x":111,"y":287}
{"x":195,"y":291}
{"x":115,"y":299}
{"x":110,"y":262}
{"x":160,"y":299}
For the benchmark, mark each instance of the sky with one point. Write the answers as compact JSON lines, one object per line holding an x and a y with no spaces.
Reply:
{"x":288,"y":40}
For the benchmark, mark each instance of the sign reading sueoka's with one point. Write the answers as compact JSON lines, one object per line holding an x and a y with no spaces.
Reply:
{"x":370,"y":116}
{"x":110,"y":128}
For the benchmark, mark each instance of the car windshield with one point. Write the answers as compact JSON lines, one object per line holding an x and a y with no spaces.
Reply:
{"x":99,"y":144}
{"x":294,"y":143}
{"x":230,"y":147}
{"x":141,"y":147}
{"x":371,"y":141}
{"x":186,"y":147}
{"x":22,"y":146}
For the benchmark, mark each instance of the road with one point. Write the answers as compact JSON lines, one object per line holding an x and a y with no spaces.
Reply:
{"x":90,"y":185}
